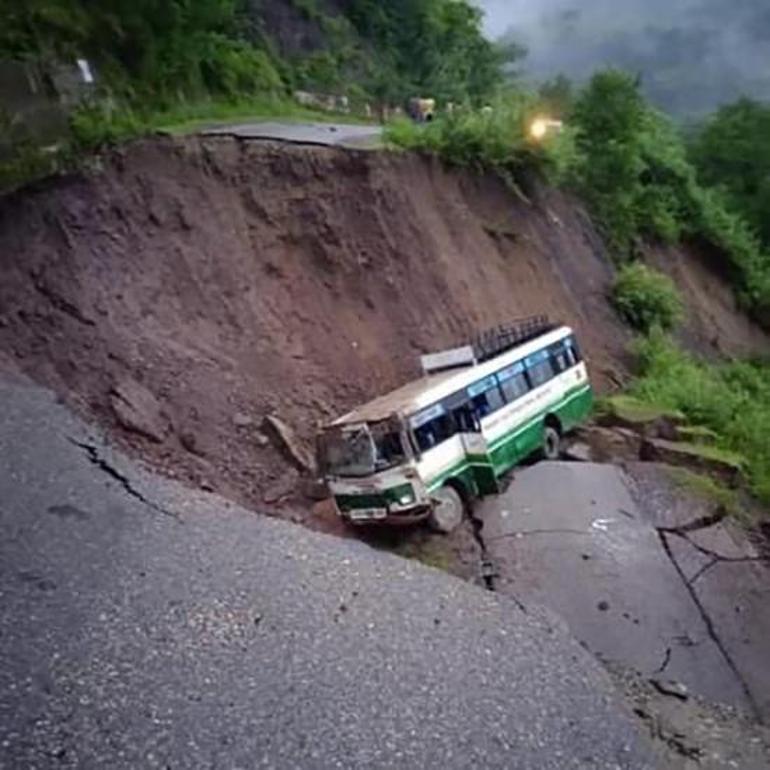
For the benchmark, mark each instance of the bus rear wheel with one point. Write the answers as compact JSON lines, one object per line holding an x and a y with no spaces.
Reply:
{"x":551,"y":443}
{"x":448,"y":510}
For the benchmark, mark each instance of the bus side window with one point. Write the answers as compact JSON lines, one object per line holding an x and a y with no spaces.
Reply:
{"x":515,"y":387}
{"x":435,"y":432}
{"x":560,"y":357}
{"x":539,"y":369}
{"x":573,"y":350}
{"x":488,"y":402}
{"x":466,"y":419}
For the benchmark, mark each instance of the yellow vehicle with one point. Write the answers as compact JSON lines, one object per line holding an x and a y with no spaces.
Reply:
{"x":421,"y":110}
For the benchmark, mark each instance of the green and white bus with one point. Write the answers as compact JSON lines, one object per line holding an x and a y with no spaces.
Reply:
{"x":428,"y":449}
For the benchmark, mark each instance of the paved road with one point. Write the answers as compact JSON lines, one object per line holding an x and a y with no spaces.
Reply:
{"x":572,"y":537}
{"x":332,"y":134}
{"x":143,"y":625}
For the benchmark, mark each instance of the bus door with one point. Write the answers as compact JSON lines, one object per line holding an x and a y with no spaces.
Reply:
{"x":476,"y":449}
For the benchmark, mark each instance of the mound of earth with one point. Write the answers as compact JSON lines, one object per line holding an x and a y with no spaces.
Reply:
{"x":189,"y":289}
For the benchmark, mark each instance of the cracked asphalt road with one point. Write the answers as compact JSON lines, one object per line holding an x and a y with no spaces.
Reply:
{"x":216,"y":638}
{"x":329,"y":134}
{"x":611,"y":557}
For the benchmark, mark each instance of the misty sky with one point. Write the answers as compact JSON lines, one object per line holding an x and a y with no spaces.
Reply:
{"x":692,"y":54}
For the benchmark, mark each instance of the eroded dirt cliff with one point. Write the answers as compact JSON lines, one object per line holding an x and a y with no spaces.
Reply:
{"x":189,"y":288}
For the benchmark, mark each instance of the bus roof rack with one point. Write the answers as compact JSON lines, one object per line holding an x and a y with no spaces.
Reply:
{"x":488,"y":344}
{"x":498,"y":340}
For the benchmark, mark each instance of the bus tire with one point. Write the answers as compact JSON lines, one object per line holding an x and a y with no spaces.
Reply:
{"x":448,"y":510}
{"x":551,"y":443}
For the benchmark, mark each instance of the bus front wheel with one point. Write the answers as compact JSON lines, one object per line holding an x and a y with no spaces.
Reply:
{"x":551,"y":443}
{"x":448,"y":509}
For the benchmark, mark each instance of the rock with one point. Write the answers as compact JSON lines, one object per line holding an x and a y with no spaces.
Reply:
{"x":261,"y":440}
{"x":611,"y":445}
{"x":241,"y":420}
{"x":189,"y":441}
{"x":724,"y":465}
{"x":578,"y":452}
{"x":138,"y":411}
{"x":668,"y":687}
{"x":286,"y":442}
{"x":281,"y":489}
{"x":648,"y":421}
{"x":313,"y":489}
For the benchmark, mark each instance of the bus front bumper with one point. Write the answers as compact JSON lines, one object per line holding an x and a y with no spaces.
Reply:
{"x":386,"y":516}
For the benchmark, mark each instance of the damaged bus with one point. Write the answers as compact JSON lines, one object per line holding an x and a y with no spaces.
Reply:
{"x":429,"y":448}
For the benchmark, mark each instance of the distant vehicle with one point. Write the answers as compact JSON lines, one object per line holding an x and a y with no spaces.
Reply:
{"x":428,"y":449}
{"x":542,"y":127}
{"x":421,"y":110}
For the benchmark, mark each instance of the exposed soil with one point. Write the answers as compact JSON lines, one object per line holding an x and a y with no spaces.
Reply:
{"x":189,"y":288}
{"x":714,"y":324}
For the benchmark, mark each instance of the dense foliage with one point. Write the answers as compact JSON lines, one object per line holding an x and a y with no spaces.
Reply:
{"x":161,"y":49}
{"x":646,"y":299}
{"x":633,"y":170}
{"x":430,"y":48}
{"x":732,"y":400}
{"x":153,"y":48}
{"x":489,"y":139}
{"x":732,"y":151}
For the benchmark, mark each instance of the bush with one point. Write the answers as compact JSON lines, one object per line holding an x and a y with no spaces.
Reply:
{"x":493,"y":139}
{"x":632,"y":168}
{"x":646,"y":299}
{"x":732,"y":400}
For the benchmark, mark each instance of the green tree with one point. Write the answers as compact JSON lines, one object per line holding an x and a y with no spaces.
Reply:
{"x":609,"y":116}
{"x":732,"y":152}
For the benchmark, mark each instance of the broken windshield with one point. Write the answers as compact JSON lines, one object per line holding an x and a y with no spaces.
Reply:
{"x":361,"y":450}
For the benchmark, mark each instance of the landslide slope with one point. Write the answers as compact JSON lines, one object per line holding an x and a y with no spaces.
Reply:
{"x":232,"y":280}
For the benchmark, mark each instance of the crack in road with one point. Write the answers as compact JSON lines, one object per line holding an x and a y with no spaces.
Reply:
{"x":709,"y":624}
{"x":94,"y":457}
{"x":704,"y":522}
{"x":527,"y":533}
{"x":489,"y":570}
{"x":666,"y":661}
{"x":718,"y":557}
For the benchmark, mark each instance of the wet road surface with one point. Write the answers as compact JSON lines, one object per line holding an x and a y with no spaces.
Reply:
{"x":331,"y":134}
{"x":573,"y":537}
{"x":143,"y":625}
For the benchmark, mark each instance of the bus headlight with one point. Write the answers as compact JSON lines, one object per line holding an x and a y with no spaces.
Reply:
{"x":403,"y":495}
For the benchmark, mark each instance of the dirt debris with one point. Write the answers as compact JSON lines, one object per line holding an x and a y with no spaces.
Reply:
{"x":235,"y":280}
{"x":287,"y":442}
{"x":138,"y":411}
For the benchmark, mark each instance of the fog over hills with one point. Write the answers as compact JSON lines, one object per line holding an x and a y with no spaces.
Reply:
{"x":692,"y":54}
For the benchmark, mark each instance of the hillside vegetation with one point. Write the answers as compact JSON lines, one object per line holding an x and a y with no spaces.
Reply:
{"x":160,"y":51}
{"x":630,"y":164}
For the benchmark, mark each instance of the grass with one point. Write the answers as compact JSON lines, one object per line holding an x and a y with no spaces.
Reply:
{"x":708,"y":489}
{"x":717,"y":454}
{"x":431,"y":552}
{"x":730,"y":400}
{"x":98,"y":125}
{"x":494,"y":139}
{"x":633,"y":410}
{"x":188,"y":118}
{"x":698,"y":434}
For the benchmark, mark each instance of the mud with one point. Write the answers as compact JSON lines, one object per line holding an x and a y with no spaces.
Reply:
{"x":233,"y":280}
{"x":228,"y":280}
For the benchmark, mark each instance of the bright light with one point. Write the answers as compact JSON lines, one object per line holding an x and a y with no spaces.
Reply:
{"x":539,"y":128}
{"x":542,"y":127}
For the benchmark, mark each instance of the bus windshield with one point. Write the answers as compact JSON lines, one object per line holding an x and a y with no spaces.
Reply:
{"x":361,"y":450}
